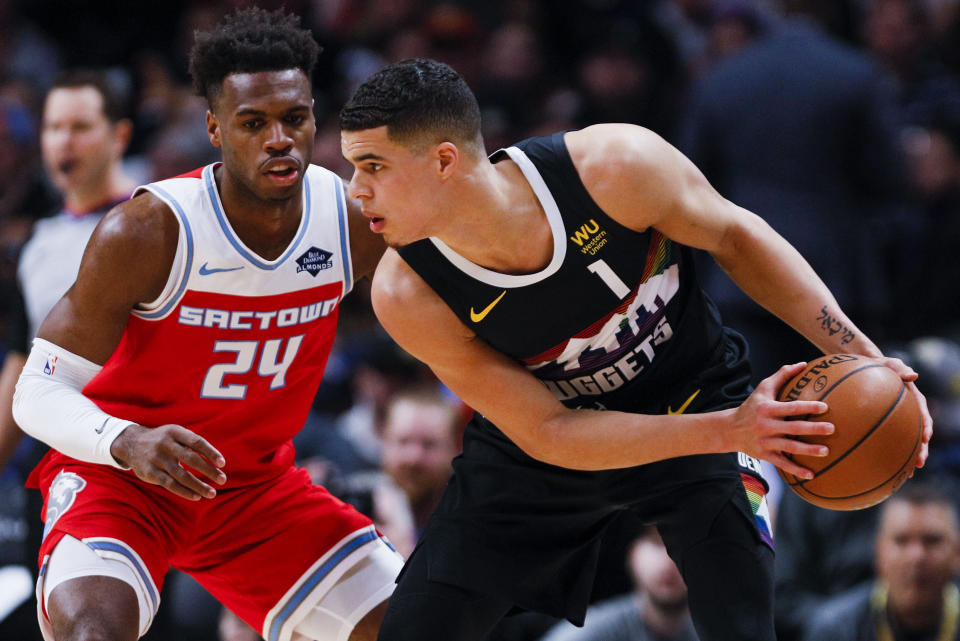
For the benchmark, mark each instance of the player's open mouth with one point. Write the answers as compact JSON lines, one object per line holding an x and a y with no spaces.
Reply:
{"x":283,"y":171}
{"x":376,"y":222}
{"x":283,"y":175}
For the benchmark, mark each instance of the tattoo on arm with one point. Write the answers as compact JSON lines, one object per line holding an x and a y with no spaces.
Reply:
{"x":833,"y":326}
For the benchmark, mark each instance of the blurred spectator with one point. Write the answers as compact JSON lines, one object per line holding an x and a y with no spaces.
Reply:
{"x":84,"y":135}
{"x":656,"y":611}
{"x":83,"y":138}
{"x":799,"y":130}
{"x":937,"y":361}
{"x":914,"y":596}
{"x":838,"y":18}
{"x":926,"y":270}
{"x":820,"y":553}
{"x":735,"y":24}
{"x":421,"y":435}
{"x":381,"y":370}
{"x":24,"y":49}
{"x":899,"y":35}
{"x":179,"y":147}
{"x":512,"y":83}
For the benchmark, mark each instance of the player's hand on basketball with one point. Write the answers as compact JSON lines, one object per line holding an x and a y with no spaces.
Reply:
{"x":764,"y":426}
{"x":155,"y":455}
{"x":908,"y":375}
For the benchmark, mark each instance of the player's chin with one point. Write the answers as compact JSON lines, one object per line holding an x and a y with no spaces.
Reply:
{"x":394,"y":241}
{"x":275,"y":193}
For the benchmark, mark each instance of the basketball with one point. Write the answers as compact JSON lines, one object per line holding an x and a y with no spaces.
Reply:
{"x":877,"y":436}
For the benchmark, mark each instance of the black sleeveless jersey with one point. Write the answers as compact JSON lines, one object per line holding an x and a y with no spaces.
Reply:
{"x":616,"y":320}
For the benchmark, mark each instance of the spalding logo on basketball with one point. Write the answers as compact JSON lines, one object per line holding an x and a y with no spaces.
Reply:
{"x":877,"y":437}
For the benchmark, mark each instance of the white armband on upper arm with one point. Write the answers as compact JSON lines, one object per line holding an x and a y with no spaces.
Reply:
{"x":49,"y":405}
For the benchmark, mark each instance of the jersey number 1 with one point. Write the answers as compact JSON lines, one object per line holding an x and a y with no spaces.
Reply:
{"x":607,"y":275}
{"x":271,"y":364}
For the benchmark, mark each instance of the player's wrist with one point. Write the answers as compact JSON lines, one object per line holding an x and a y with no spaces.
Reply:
{"x":721,"y":438}
{"x":119,"y":443}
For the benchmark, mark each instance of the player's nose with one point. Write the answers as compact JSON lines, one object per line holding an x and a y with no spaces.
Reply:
{"x":277,"y":139}
{"x":356,"y":188}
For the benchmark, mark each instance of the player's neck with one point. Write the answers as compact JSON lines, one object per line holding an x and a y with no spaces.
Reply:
{"x":266,"y":227}
{"x":499,"y":223}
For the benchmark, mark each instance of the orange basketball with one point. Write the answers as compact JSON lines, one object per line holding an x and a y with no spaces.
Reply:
{"x":877,"y":437}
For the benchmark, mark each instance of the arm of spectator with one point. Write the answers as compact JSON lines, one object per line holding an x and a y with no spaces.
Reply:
{"x":18,"y":345}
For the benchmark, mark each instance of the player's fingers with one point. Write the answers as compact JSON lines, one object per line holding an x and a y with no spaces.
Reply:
{"x":191,"y":482}
{"x":790,"y":467}
{"x":797,"y":408}
{"x":805,"y":428}
{"x":922,"y":457}
{"x":199,"y":444}
{"x":775,"y":381}
{"x":203,"y":466}
{"x":925,"y":418}
{"x":166,"y":480}
{"x":903,"y":370}
{"x":797,"y":447}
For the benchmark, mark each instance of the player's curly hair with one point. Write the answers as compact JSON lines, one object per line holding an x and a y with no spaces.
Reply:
{"x":420,"y":101}
{"x":247,"y":41}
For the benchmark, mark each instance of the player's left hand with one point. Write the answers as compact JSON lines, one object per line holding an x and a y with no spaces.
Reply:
{"x":909,"y":376}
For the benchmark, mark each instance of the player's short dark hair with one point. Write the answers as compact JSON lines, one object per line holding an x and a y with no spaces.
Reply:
{"x":115,"y":99}
{"x":420,"y":101}
{"x":250,"y":40}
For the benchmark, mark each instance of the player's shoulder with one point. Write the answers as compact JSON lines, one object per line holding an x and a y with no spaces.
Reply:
{"x":400,"y":295}
{"x":143,"y":220}
{"x":396,"y":283}
{"x":411,"y":312}
{"x":613,"y":145}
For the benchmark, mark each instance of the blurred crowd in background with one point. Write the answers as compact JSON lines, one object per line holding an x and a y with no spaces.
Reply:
{"x":837,"y":121}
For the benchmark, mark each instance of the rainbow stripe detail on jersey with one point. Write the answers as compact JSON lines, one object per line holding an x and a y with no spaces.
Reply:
{"x":757,"y":496}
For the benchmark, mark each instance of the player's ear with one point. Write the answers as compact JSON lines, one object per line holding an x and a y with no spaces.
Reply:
{"x":213,"y":129}
{"x":448,"y":157}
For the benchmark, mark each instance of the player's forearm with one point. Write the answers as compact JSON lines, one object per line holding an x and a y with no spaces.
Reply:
{"x":598,"y":440}
{"x":774,"y":274}
{"x":49,"y":405}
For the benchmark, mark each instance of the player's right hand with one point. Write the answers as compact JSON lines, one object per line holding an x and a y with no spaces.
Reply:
{"x":157,"y":455}
{"x":766,"y":428}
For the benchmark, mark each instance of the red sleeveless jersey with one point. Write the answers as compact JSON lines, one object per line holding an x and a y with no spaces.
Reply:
{"x":235,"y":347}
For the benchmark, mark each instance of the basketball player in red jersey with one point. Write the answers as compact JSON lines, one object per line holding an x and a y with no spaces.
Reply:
{"x":172,"y":376}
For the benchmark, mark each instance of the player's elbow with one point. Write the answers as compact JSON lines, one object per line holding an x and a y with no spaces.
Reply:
{"x":550,"y":441}
{"x":740,"y":239}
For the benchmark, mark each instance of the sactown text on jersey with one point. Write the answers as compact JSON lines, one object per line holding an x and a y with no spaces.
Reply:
{"x":227,"y":319}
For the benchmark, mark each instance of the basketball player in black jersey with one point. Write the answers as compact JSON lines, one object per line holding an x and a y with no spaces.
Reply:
{"x":551,"y":287}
